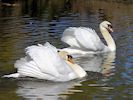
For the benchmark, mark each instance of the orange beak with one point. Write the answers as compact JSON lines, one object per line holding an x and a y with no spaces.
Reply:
{"x":110,"y":28}
{"x":70,"y":59}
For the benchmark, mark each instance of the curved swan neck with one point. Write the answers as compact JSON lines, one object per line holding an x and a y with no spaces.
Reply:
{"x":108,"y":38}
{"x":77,"y":69}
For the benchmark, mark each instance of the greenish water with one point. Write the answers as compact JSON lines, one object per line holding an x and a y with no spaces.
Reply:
{"x":27,"y":22}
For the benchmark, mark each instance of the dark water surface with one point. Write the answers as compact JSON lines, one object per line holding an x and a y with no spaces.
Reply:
{"x":27,"y":22}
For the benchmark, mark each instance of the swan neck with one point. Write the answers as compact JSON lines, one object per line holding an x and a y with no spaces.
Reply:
{"x":77,"y":69}
{"x":108,"y":38}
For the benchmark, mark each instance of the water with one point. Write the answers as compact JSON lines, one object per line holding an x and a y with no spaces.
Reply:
{"x":27,"y":22}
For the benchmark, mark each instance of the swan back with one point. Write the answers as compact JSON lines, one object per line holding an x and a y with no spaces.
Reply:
{"x":86,"y":39}
{"x":44,"y":62}
{"x":83,"y":38}
{"x":69,"y":37}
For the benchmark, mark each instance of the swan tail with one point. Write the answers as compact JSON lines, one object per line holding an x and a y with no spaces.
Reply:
{"x":15,"y":75}
{"x":30,"y":69}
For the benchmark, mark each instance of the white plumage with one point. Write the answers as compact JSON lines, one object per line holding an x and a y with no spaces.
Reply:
{"x":85,"y":40}
{"x":43,"y":62}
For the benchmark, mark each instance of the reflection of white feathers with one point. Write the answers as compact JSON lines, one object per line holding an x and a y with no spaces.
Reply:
{"x":91,"y":63}
{"x":43,"y":62}
{"x":44,"y":90}
{"x":100,"y":63}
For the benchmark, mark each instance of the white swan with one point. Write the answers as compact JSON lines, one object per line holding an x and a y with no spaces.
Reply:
{"x":84,"y":40}
{"x":44,"y":62}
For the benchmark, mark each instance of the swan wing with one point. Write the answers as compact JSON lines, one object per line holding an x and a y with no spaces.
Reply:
{"x":69,"y":37}
{"x":88,"y":39}
{"x":48,"y":60}
{"x":84,"y":38}
{"x":29,"y":68}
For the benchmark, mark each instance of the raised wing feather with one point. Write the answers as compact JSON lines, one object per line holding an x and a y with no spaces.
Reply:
{"x":47,"y":60}
{"x":69,"y":37}
{"x":88,"y":39}
{"x":29,"y":68}
{"x":83,"y":38}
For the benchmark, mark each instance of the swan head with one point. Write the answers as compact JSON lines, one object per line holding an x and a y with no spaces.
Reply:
{"x":64,"y":55}
{"x":79,"y":71}
{"x":106,"y":25}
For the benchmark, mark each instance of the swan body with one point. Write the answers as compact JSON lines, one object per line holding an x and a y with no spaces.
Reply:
{"x":84,"y":40}
{"x":44,"y":62}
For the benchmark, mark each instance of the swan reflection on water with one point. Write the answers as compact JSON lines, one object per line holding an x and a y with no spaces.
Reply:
{"x":44,"y":89}
{"x":101,"y":63}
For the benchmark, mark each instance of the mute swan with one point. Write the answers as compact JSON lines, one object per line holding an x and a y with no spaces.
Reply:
{"x":84,"y":40}
{"x":45,"y":62}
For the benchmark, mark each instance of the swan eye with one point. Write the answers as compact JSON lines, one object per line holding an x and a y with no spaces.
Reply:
{"x":69,"y":57}
{"x":110,"y":26}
